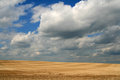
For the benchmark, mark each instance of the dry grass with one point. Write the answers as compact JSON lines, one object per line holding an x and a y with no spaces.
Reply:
{"x":36,"y":70}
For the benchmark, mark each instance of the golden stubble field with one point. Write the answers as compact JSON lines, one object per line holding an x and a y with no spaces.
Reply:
{"x":38,"y":70}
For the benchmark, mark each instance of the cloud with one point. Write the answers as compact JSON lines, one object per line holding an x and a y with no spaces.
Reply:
{"x":18,"y":25}
{"x":10,"y":11}
{"x":85,"y":17}
{"x":38,"y":11}
{"x":21,"y":40}
{"x":114,"y":50}
{"x":73,"y":24}
{"x":63,"y":33}
{"x":111,"y":35}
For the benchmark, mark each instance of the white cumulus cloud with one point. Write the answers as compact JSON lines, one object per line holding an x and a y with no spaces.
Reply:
{"x":62,"y":33}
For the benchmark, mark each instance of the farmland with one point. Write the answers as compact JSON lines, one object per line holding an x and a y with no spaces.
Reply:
{"x":40,"y":70}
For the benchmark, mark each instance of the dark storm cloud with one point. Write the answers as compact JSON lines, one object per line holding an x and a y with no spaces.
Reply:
{"x":110,"y":35}
{"x":113,"y":51}
{"x":65,"y":34}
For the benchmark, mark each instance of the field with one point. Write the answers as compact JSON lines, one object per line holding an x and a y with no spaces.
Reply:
{"x":38,"y":70}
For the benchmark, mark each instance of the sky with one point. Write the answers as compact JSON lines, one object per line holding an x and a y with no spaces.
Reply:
{"x":60,"y":30}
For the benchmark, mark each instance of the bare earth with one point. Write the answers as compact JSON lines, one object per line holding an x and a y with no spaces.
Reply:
{"x":37,"y":70}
